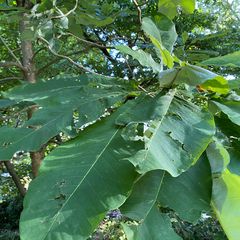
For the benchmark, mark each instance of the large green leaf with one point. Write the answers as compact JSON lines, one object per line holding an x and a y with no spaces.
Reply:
{"x":230,"y":108}
{"x":225,"y":193}
{"x":163,"y":36}
{"x":232,"y":131}
{"x":193,"y":191}
{"x":177,"y":132}
{"x":32,"y":139}
{"x":87,"y":177}
{"x":193,"y":76}
{"x":161,"y":28}
{"x":155,"y":226}
{"x":229,"y":60}
{"x":89,"y":96}
{"x":145,"y":59}
{"x":169,"y":7}
{"x":226,"y":203}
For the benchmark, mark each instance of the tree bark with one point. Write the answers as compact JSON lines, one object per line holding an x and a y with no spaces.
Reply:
{"x":30,"y":76}
{"x":9,"y":166}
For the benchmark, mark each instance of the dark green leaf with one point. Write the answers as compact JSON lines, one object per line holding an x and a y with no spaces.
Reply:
{"x":177,"y":132}
{"x":87,"y":177}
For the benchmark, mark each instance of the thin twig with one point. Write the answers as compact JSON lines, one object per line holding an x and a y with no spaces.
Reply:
{"x":143,"y":89}
{"x":90,"y":43}
{"x":57,"y":60}
{"x":68,"y":13}
{"x":67,"y":58}
{"x":139,"y":11}
{"x":39,"y":50}
{"x":10,"y":51}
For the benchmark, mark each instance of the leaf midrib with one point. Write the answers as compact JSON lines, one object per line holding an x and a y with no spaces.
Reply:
{"x":68,"y":199}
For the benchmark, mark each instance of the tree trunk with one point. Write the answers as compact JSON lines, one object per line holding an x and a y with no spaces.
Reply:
{"x":30,"y":76}
{"x":9,"y":166}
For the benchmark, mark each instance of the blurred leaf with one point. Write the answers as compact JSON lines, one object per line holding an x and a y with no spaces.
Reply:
{"x":229,"y":60}
{"x":170,"y":7}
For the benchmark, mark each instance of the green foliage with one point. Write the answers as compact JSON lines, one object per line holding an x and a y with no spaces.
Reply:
{"x":56,"y":109}
{"x":230,"y":60}
{"x":146,"y":144}
{"x":169,"y":8}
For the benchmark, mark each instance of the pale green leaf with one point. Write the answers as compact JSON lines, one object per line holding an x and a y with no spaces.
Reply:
{"x":226,"y":203}
{"x":145,"y":59}
{"x":169,"y":7}
{"x":193,"y":76}
{"x":89,"y":19}
{"x":219,"y":156}
{"x":162,"y":36}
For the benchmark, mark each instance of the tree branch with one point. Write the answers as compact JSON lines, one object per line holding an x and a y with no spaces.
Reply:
{"x":92,"y":43}
{"x":67,"y":58}
{"x":10,"y":51}
{"x":9,"y":78}
{"x":9,"y":166}
{"x":57,"y":60}
{"x":68,"y":13}
{"x":12,"y":64}
{"x":139,"y":11}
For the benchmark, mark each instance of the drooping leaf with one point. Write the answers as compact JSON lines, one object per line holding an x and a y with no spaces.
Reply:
{"x":225,"y":195}
{"x":229,"y":60}
{"x":230,"y":108}
{"x":193,"y":189}
{"x":177,"y":133}
{"x":188,"y":194}
{"x":232,"y":132}
{"x":169,"y":7}
{"x":226,"y":203}
{"x":145,"y":59}
{"x":88,"y":176}
{"x":193,"y":76}
{"x":218,"y":85}
{"x":216,"y":151}
{"x":162,"y":39}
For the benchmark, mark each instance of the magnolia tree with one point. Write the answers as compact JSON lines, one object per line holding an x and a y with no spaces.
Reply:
{"x":136,"y":126}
